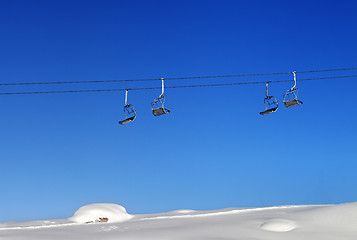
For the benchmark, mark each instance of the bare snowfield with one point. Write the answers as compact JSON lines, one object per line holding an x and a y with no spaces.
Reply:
{"x":111,"y":221}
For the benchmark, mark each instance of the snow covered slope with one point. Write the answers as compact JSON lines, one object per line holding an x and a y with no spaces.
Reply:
{"x":328,"y":222}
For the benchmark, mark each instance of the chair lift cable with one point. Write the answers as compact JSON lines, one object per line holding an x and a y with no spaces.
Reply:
{"x":183,"y":86}
{"x":172,"y":78}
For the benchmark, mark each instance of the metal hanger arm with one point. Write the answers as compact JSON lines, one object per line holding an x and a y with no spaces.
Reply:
{"x":126,"y":97}
{"x":294,"y":81}
{"x":162,"y":87}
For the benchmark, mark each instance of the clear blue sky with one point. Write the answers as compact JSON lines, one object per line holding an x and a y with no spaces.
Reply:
{"x":214,"y":150}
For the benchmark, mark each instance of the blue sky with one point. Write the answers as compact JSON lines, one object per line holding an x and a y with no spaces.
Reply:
{"x":214,"y":150}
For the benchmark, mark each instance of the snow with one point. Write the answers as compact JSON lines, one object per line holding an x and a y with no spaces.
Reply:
{"x":278,"y":225}
{"x":100,"y":211}
{"x":328,"y":222}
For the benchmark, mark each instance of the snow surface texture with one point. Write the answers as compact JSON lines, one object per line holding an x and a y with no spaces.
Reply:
{"x":327,"y":222}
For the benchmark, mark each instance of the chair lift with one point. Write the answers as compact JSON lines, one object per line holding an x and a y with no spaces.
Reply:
{"x":129,"y":111}
{"x":270,"y":103}
{"x":290,"y":97}
{"x":157,"y":107}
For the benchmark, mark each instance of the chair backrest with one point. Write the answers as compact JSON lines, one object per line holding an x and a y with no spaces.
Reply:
{"x":270,"y":102}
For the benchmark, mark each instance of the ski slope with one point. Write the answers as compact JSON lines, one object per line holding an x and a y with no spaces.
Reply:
{"x":328,"y":222}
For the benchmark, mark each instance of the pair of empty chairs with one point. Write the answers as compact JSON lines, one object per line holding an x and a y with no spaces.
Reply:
{"x":289,"y":100}
{"x":157,"y":107}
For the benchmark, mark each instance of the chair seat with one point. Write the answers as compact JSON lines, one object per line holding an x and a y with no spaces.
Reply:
{"x":127,"y":120}
{"x":292,"y":103}
{"x":271,"y":110}
{"x":160,"y":111}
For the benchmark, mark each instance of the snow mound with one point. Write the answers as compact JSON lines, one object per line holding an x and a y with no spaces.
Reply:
{"x":100,"y":212}
{"x":278,"y":225}
{"x":184,"y":211}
